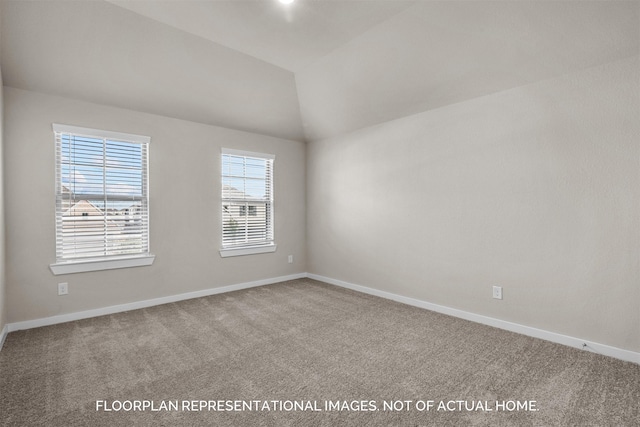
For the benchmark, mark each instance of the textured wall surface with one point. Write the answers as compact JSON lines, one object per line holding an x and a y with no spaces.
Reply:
{"x":112,"y":56}
{"x":2,"y":225}
{"x":536,"y":189}
{"x":184,"y":170}
{"x":438,"y":53}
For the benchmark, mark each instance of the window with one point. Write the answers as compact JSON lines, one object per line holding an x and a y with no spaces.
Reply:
{"x":253,"y":210}
{"x":247,"y":203}
{"x":102,"y":200}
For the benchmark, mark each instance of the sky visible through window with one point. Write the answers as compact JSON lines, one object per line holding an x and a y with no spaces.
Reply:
{"x":94,"y":167}
{"x":101,"y":203}
{"x":248,"y":175}
{"x":246,"y":200}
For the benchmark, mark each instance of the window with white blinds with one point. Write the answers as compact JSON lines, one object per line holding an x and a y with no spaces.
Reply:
{"x":102,"y":194}
{"x":247,"y":201}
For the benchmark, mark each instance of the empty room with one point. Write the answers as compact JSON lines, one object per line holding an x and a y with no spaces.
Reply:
{"x":319,"y":213}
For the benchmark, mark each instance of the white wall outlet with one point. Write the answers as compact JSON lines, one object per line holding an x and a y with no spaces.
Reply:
{"x":290,"y":259}
{"x":497,"y":292}
{"x":63,"y":288}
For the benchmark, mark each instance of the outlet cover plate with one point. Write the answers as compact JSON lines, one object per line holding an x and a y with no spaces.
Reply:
{"x":63,"y":288}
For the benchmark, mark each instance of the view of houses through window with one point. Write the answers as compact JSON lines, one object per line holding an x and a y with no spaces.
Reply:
{"x":247,"y":199}
{"x":101,"y":198}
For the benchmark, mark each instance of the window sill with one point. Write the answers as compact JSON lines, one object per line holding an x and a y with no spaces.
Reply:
{"x":98,"y":265}
{"x":247,"y":251}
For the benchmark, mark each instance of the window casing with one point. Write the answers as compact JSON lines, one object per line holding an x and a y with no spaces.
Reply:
{"x":247,"y":203}
{"x":102,"y":199}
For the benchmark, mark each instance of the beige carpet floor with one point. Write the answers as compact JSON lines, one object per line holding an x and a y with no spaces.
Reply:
{"x":312,"y":343}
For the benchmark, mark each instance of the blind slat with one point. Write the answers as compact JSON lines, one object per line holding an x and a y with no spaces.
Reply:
{"x":102,"y":205}
{"x":247,"y":200}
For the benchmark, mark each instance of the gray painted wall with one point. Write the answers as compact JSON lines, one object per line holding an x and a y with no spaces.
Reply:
{"x":112,"y":56}
{"x":438,"y":53}
{"x":3,"y":317}
{"x":184,"y":202}
{"x":513,"y":159}
{"x":535,"y":188}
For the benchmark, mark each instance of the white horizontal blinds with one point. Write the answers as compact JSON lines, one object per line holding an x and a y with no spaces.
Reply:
{"x":247,"y":199}
{"x":102,"y":206}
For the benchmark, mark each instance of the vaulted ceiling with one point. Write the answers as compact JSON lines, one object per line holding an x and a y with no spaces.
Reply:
{"x":310,"y":70}
{"x":289,"y":36}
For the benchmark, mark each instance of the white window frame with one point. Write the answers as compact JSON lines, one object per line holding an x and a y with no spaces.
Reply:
{"x":249,"y":249}
{"x":78,"y":265}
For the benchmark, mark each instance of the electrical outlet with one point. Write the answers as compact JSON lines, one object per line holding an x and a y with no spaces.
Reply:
{"x":497,"y":292}
{"x":290,"y":259}
{"x":63,"y":288}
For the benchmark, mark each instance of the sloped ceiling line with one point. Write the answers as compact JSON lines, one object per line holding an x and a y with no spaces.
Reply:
{"x":356,"y":64}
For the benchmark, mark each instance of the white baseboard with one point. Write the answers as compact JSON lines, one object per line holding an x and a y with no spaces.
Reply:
{"x":3,"y":335}
{"x":603,"y":349}
{"x":594,"y":347}
{"x":62,"y":318}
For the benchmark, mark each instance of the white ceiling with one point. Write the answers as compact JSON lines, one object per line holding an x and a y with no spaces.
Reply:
{"x":437,"y":53}
{"x":98,"y":52}
{"x":289,"y":36}
{"x":311,"y":70}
